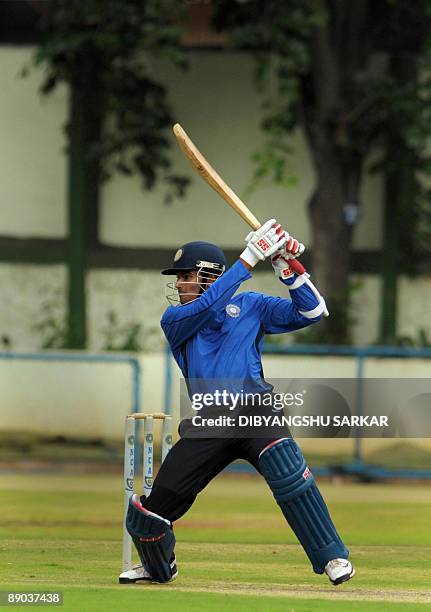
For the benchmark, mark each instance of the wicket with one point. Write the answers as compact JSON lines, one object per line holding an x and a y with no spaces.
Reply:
{"x":147,"y":464}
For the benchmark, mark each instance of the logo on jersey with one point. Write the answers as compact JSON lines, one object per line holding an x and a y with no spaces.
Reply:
{"x":178,"y":255}
{"x":233,"y":310}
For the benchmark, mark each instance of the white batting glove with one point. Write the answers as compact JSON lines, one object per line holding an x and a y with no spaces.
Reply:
{"x":280,"y":265}
{"x":292,"y":248}
{"x":264,"y":242}
{"x":280,"y":261}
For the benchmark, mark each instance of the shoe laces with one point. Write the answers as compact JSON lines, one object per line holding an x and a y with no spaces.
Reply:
{"x":335,"y":563}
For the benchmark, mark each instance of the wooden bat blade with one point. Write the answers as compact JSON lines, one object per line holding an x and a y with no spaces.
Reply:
{"x":213,"y":179}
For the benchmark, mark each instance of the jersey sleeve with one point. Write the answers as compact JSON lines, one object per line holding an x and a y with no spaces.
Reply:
{"x":179,"y":323}
{"x":281,"y":315}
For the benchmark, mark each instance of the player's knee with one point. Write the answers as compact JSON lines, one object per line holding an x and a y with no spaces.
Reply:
{"x":283,"y":466}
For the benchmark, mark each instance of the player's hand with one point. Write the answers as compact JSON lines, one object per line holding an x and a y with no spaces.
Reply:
{"x":280,"y":265}
{"x":264,"y":242}
{"x":292,"y":248}
{"x":280,"y":261}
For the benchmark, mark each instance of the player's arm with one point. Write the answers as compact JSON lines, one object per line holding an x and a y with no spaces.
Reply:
{"x":306,"y":305}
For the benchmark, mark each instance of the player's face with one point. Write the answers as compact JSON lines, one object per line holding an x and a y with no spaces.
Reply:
{"x":191,"y":284}
{"x":188,"y":286}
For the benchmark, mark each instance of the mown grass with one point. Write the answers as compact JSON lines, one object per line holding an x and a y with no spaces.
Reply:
{"x":234,"y":549}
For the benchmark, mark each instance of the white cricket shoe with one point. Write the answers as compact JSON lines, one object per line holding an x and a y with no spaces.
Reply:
{"x":339,"y":570}
{"x":138,"y":573}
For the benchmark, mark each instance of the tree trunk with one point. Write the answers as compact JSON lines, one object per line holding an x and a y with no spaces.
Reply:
{"x":390,"y":260}
{"x":338,"y":167}
{"x":400,"y":190}
{"x":331,"y":240}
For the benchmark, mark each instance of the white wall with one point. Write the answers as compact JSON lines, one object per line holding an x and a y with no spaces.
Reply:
{"x":90,"y":400}
{"x":32,"y":161}
{"x":414,"y":300}
{"x":32,"y":295}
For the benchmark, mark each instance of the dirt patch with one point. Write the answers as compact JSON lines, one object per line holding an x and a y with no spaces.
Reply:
{"x":305,"y":592}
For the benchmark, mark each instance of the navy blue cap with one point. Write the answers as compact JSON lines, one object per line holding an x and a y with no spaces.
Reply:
{"x":195,"y":255}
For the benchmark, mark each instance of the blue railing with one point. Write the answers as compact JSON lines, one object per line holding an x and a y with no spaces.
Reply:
{"x":77,"y":357}
{"x":87,"y":358}
{"x":348,"y":351}
{"x":358,"y":467}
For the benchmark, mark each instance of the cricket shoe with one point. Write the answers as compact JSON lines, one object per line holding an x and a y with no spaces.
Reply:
{"x":339,"y":570}
{"x":138,"y":573}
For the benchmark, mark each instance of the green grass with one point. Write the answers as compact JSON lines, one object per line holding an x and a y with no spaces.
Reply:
{"x":234,"y":549}
{"x":99,"y":600}
{"x":56,"y":451}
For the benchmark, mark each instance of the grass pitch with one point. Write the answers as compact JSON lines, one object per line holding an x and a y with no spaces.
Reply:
{"x":235,"y":552}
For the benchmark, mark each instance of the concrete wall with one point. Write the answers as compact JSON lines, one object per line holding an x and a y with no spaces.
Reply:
{"x":32,"y":160}
{"x":90,"y":400}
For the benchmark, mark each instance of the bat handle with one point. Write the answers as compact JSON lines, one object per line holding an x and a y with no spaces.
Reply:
{"x":296,"y":266}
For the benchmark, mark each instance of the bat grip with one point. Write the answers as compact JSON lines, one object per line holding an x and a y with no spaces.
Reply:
{"x":297,"y":266}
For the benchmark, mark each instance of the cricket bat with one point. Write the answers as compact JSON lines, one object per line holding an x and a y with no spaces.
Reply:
{"x":215,"y":181}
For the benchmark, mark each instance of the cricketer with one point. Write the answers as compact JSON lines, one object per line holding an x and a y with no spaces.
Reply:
{"x":216,"y":333}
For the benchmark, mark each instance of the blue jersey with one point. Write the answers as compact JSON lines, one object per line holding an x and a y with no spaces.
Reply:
{"x":220,"y":336}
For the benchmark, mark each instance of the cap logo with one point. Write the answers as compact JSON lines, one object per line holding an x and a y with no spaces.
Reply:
{"x":178,"y":255}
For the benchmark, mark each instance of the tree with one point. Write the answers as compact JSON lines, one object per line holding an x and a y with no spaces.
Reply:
{"x":118,"y":113}
{"x":334,"y":63}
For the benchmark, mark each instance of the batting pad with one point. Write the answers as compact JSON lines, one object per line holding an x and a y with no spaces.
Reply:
{"x":154,"y":540}
{"x":284,"y":468}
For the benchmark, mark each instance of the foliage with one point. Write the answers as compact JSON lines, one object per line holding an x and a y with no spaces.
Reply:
{"x":109,"y":49}
{"x":366,"y":104}
{"x":405,"y":122}
{"x":51,"y":324}
{"x":277,"y":36}
{"x":129,"y":336}
{"x":421,"y":339}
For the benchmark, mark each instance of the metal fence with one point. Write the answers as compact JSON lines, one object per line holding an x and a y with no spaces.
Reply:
{"x":358,"y":466}
{"x":81,"y":357}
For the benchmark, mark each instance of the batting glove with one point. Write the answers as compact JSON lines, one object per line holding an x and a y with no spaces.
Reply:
{"x":281,"y":266}
{"x":264,"y":242}
{"x":293,"y":248}
{"x":280,"y":261}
